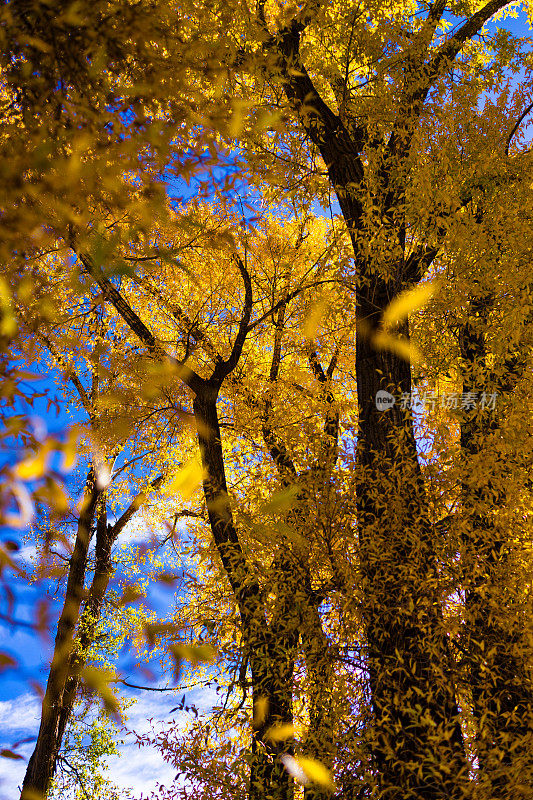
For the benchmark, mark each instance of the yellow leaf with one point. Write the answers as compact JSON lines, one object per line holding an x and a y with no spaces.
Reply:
{"x":237,"y":119}
{"x":187,"y":480}
{"x":33,"y":467}
{"x":154,"y":629}
{"x":408,"y":301}
{"x":55,"y":496}
{"x":219,"y":504}
{"x":8,"y":323}
{"x":260,"y":711}
{"x":277,"y":733}
{"x":98,"y":680}
{"x":25,"y":509}
{"x":402,"y":347}
{"x":281,"y":501}
{"x":130,"y":595}
{"x":316,"y":771}
{"x":194,"y":653}
{"x":69,"y":449}
{"x":314,"y":318}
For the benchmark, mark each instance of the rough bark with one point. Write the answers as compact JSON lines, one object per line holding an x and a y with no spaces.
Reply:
{"x":418,"y":745}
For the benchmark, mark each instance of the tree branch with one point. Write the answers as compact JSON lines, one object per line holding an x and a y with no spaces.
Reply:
{"x":516,"y":126}
{"x":223,"y":368}
{"x":132,"y":509}
{"x":424,"y":76}
{"x":278,"y":451}
{"x":339,"y":149}
{"x":68,"y":370}
{"x":134,"y":322}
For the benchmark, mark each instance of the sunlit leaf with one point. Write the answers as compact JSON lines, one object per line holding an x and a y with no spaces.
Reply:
{"x":130,"y":595}
{"x":281,"y":501}
{"x":314,"y":318}
{"x":278,"y":733}
{"x":401,"y":347}
{"x":261,"y":706}
{"x":187,"y":481}
{"x":98,"y":680}
{"x":316,"y":771}
{"x":409,"y":301}
{"x":69,"y":448}
{"x":196,"y":654}
{"x":34,"y":466}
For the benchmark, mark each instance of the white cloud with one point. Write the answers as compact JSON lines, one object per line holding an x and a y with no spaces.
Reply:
{"x":140,"y":768}
{"x":19,"y":718}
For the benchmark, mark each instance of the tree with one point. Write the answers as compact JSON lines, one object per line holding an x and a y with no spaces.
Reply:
{"x":83,"y":604}
{"x":370,"y":162}
{"x":364,"y":87}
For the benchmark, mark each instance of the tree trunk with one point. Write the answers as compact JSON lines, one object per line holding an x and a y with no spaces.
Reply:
{"x":56,"y":708}
{"x":271,"y":647}
{"x":272,"y":680}
{"x":417,"y":740}
{"x":320,"y":742}
{"x":496,"y":634}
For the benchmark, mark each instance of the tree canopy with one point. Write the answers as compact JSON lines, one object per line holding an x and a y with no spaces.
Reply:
{"x":277,"y":261}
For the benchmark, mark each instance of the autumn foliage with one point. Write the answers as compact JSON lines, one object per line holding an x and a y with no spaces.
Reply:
{"x":276,"y":258}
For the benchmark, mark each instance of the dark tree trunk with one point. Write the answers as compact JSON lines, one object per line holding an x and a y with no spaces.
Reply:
{"x":270,"y":645}
{"x":320,"y":664}
{"x":272,"y":682}
{"x":57,"y":702}
{"x":418,"y":745}
{"x":496,"y":637}
{"x":417,"y":740}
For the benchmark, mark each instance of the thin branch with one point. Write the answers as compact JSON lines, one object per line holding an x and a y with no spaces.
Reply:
{"x":146,"y":688}
{"x":516,"y":126}
{"x":325,"y":128}
{"x":423,"y":77}
{"x":316,"y":366}
{"x":223,"y":368}
{"x":332,"y":364}
{"x":450,"y":49}
{"x":67,"y":370}
{"x":134,"y":322}
{"x":286,"y":299}
{"x":132,"y":509}
{"x":77,"y":774}
{"x":278,"y":451}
